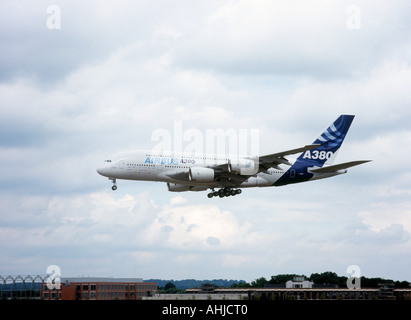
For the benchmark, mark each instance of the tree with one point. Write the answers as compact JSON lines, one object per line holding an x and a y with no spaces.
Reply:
{"x":282,"y":278}
{"x":169,"y":286}
{"x":402,"y":284}
{"x":259,"y":283}
{"x":327,"y":277}
{"x":241,"y":285}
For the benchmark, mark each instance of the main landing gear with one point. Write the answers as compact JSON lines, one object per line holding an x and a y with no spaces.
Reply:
{"x":224,"y":192}
{"x":114,"y":187}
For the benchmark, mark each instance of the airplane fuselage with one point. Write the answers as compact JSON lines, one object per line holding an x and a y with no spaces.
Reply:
{"x":165,"y":167}
{"x":198,"y":172}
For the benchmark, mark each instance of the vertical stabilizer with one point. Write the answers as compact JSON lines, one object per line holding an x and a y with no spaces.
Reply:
{"x":330,"y":140}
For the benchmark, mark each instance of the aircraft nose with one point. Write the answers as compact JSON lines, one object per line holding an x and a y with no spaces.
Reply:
{"x":104,"y":168}
{"x":99,"y":170}
{"x":102,"y":171}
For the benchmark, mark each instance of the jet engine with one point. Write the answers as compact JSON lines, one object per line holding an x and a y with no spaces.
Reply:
{"x":198,"y":174}
{"x":242,"y":166}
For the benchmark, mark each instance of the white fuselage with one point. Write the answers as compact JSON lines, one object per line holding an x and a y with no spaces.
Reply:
{"x":198,"y":172}
{"x":155,"y":166}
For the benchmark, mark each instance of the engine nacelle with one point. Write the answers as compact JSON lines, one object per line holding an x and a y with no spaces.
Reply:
{"x":243,"y":166}
{"x":198,"y":174}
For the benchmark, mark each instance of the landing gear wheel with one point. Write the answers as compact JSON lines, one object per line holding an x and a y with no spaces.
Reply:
{"x":114,"y":187}
{"x":224,"y":192}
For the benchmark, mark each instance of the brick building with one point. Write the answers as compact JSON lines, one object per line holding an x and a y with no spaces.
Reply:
{"x":92,"y":288}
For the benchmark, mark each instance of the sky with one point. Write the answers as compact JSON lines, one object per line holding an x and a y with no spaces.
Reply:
{"x":80,"y":80}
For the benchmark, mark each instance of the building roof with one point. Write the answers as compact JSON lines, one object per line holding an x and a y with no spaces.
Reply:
{"x":100,"y":279}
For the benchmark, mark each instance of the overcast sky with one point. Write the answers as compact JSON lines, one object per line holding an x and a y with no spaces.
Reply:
{"x":84,"y":79}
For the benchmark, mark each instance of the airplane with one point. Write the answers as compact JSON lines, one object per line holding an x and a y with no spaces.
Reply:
{"x":230,"y":174}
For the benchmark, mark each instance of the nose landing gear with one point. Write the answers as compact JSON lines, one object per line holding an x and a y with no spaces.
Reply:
{"x":224,"y":192}
{"x":114,"y":187}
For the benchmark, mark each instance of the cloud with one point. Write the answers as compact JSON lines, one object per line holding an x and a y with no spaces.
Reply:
{"x":135,"y":225}
{"x":199,"y":228}
{"x":82,"y":39}
{"x":178,"y":201}
{"x":309,"y":39}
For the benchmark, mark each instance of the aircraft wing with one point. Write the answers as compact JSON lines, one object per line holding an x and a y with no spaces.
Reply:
{"x":223,"y":172}
{"x":274,"y":159}
{"x":340,"y":166}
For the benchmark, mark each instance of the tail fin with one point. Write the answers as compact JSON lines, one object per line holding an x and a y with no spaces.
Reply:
{"x":330,"y":140}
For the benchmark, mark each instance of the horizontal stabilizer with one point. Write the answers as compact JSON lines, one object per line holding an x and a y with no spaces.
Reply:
{"x":340,"y":166}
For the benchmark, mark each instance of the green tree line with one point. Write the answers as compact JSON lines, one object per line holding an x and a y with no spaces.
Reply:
{"x":327,"y":278}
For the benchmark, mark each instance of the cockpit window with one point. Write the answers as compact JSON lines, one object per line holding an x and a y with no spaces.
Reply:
{"x":107,"y":160}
